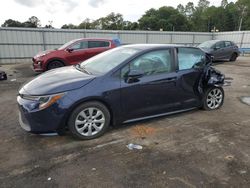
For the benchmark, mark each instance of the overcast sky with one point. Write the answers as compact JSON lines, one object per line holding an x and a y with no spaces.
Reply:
{"x":74,"y":11}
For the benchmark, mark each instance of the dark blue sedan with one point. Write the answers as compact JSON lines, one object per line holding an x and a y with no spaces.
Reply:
{"x":122,"y":85}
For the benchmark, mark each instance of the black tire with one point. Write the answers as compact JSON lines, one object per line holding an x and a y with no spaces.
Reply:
{"x":54,"y":64}
{"x":208,"y":101}
{"x":233,"y":57}
{"x":83,"y":108}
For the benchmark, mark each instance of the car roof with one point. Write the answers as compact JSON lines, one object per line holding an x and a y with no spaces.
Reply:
{"x":154,"y":46}
{"x":100,"y":39}
{"x":218,"y":41}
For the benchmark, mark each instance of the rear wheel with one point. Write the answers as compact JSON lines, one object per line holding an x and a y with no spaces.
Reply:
{"x":233,"y":57}
{"x":89,"y":120}
{"x":54,"y":64}
{"x":213,"y":98}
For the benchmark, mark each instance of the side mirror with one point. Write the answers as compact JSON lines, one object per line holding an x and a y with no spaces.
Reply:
{"x":133,"y":76}
{"x":216,"y":48}
{"x":69,"y":50}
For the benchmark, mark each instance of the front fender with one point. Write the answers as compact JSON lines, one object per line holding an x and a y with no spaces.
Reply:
{"x":210,"y":77}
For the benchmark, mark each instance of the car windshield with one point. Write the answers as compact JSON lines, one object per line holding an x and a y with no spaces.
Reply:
{"x":66,"y":44}
{"x":106,"y":61}
{"x":207,"y":44}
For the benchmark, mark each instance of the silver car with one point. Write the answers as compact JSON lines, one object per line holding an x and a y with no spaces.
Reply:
{"x":221,"y":50}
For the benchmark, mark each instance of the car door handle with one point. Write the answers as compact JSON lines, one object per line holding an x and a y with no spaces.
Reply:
{"x":167,"y":80}
{"x":172,"y":79}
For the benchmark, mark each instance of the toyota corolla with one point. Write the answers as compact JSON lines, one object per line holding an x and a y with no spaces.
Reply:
{"x":122,"y":85}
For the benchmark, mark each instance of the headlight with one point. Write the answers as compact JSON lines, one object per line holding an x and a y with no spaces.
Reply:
{"x":44,"y":101}
{"x":41,"y":55}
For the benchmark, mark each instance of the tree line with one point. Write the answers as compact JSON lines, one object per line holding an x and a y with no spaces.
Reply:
{"x":201,"y":17}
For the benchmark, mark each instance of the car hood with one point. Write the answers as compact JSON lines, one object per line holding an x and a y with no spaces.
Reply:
{"x":207,"y":50}
{"x":56,"y":81}
{"x":42,"y":53}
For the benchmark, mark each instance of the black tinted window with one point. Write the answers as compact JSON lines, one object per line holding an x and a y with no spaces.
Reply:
{"x":98,"y":44}
{"x":190,"y":58}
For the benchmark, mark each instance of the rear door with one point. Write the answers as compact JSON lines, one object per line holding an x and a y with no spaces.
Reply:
{"x":190,"y":65}
{"x":97,"y":46}
{"x":229,"y":49}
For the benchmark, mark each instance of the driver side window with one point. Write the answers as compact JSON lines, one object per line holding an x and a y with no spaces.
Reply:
{"x":80,"y":45}
{"x":156,"y":62}
{"x":219,"y":45}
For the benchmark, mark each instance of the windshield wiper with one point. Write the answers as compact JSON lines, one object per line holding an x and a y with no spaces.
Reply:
{"x":83,"y":69}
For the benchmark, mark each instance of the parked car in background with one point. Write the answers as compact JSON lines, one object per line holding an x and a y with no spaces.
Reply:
{"x":125,"y":84}
{"x":221,"y":50}
{"x":72,"y":53}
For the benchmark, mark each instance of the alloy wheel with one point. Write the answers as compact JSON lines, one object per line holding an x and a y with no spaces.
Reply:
{"x":90,"y":121}
{"x":214,"y":98}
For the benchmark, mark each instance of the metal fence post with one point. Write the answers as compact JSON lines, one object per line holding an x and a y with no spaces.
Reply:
{"x":171,"y":38}
{"x":242,"y":39}
{"x":44,"y":40}
{"x":146,"y":37}
{"x":118,"y":35}
{"x":84,"y":34}
{"x":213,"y":35}
{"x":193,"y":39}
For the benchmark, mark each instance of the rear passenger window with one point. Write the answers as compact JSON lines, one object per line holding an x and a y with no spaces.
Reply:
{"x":190,"y":58}
{"x":98,"y":44}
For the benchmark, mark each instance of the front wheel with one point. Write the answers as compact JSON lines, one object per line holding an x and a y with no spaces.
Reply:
{"x":89,"y":120}
{"x":213,"y":98}
{"x":54,"y":64}
{"x":233,"y":57}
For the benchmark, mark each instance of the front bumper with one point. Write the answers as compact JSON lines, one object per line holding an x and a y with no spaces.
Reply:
{"x":48,"y":120}
{"x":37,"y":65}
{"x":23,"y":123}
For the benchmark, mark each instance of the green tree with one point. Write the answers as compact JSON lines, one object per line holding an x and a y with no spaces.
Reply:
{"x":224,"y":3}
{"x":243,"y":7}
{"x":127,"y":25}
{"x":149,"y":20}
{"x":12,"y":23}
{"x":110,"y":22}
{"x":69,"y":26}
{"x":203,"y":5}
{"x":86,"y":24}
{"x":165,"y":18}
{"x":181,"y":9}
{"x":189,"y":9}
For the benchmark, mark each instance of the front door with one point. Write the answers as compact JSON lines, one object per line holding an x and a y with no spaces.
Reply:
{"x":219,"y":50}
{"x":77,"y":52}
{"x":155,"y":91}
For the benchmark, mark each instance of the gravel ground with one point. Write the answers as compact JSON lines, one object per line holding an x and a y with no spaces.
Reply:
{"x":193,"y":149}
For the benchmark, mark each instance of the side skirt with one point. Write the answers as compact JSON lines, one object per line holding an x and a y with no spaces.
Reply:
{"x":158,"y":115}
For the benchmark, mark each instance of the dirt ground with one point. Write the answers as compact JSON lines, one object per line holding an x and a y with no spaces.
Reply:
{"x":193,"y":149}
